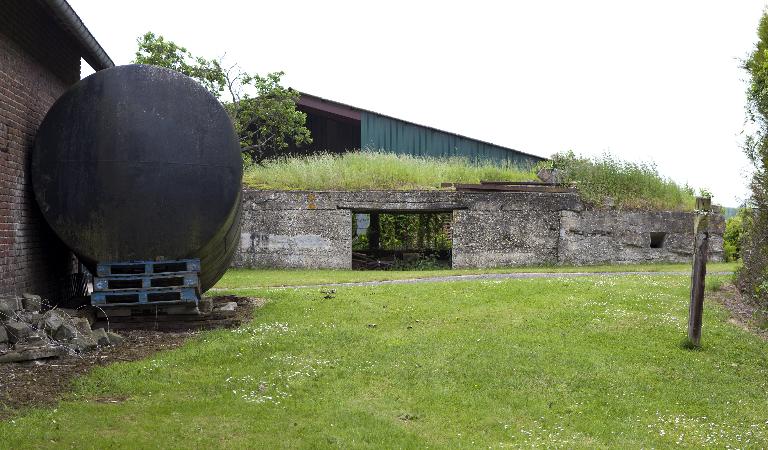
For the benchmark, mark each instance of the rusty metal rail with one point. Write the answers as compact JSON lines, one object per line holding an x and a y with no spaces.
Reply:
{"x":512,"y":186}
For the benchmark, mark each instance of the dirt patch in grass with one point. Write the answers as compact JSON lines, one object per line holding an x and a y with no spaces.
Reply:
{"x":43,"y":382}
{"x":742,"y":311}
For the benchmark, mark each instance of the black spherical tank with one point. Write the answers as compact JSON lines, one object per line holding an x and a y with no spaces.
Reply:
{"x":141,"y":163}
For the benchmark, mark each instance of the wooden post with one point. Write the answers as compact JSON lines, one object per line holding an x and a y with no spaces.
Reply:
{"x":699,"y":271}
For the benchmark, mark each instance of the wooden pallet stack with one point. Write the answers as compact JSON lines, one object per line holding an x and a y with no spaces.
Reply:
{"x":143,"y":283}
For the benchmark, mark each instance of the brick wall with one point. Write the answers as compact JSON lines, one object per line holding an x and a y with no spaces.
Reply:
{"x":37,"y":64}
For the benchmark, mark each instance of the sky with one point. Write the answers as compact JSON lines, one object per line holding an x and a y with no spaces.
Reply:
{"x":654,"y":81}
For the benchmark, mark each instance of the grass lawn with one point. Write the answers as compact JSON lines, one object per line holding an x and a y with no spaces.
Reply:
{"x":247,"y":278}
{"x":569,"y":362}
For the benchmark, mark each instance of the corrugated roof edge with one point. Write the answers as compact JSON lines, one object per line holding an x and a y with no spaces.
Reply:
{"x":416,"y":124}
{"x":93,"y":54}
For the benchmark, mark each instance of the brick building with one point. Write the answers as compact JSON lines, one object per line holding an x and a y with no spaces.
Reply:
{"x":41,"y":45}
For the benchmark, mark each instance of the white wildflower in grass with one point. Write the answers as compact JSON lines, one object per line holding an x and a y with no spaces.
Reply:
{"x":273,"y":386}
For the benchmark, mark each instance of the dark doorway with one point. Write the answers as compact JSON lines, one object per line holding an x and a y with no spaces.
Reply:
{"x":401,"y":241}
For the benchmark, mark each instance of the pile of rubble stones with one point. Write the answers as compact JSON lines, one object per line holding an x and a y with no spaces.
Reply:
{"x":27,"y":333}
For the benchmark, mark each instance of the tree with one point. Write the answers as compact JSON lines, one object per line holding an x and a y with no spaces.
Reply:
{"x":753,"y":277}
{"x":267,"y":122}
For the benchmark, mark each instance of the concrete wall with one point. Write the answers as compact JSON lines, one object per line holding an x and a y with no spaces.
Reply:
{"x":37,"y":63}
{"x":599,"y":236}
{"x":302,"y":229}
{"x":287,"y":229}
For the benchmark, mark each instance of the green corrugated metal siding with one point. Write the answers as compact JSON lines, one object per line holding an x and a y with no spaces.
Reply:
{"x":385,"y":133}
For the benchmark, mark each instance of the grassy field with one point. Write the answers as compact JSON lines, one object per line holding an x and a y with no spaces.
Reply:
{"x":371,"y":170}
{"x":573,"y":362}
{"x":247,"y":278}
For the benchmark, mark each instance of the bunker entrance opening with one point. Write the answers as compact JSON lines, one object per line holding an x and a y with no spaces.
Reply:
{"x":401,"y":240}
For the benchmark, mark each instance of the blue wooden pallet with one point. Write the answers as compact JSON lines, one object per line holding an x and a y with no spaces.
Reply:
{"x":120,"y":282}
{"x":147,"y":267}
{"x":153,"y":296}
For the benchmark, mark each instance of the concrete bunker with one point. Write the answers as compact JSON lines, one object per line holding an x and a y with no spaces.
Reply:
{"x":303,"y":229}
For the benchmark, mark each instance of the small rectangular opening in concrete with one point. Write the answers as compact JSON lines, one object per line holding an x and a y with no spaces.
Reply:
{"x":657,"y":239}
{"x":401,"y":240}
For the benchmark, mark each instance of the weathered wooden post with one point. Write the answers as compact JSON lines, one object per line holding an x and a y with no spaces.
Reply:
{"x":699,"y":271}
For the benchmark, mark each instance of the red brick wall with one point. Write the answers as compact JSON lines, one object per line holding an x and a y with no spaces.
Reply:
{"x":37,"y":63}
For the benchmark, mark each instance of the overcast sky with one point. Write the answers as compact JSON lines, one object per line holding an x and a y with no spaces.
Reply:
{"x":646,"y":81}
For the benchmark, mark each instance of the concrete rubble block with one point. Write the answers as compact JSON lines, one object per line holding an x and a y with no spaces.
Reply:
{"x":31,"y":302}
{"x":31,"y":354}
{"x":52,"y":321}
{"x":17,"y":331}
{"x":86,"y":313}
{"x":37,"y":338}
{"x":226,"y":310}
{"x":8,"y":307}
{"x":100,"y":334}
{"x":3,"y":334}
{"x":34,"y":319}
{"x":83,"y":343}
{"x":82,"y":325}
{"x":227,"y":307}
{"x":205,"y":305}
{"x":4,"y":348}
{"x":31,"y":345}
{"x":65,"y":332}
{"x":114,"y":338}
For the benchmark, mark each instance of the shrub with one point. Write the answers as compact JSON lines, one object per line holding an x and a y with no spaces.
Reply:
{"x":753,"y":276}
{"x":732,"y":238}
{"x":608,"y":180}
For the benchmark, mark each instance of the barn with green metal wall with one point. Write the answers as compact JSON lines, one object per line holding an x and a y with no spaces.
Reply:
{"x":338,"y":128}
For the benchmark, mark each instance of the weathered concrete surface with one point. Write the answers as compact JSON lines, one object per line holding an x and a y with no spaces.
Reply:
{"x":301,"y":229}
{"x":611,"y":236}
{"x":295,"y":238}
{"x":394,"y":201}
{"x":504,"y":238}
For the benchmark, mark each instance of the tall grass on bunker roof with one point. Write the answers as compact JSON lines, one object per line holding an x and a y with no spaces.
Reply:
{"x":606,"y":179}
{"x":370,"y":170}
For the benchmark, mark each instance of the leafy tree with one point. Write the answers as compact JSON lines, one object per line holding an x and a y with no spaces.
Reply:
{"x":267,"y":122}
{"x":156,"y":51}
{"x":753,"y":277}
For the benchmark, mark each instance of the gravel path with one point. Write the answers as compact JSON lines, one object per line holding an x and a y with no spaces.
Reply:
{"x":487,"y":276}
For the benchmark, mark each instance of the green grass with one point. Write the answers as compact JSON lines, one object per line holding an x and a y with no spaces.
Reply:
{"x":627,"y":184}
{"x":249,"y":278}
{"x":592,"y":362}
{"x":371,"y":170}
